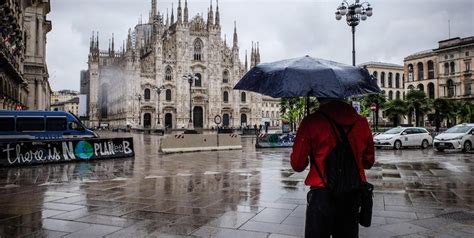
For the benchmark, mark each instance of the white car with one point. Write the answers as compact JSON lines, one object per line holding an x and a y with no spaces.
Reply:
{"x":460,"y":137}
{"x":400,"y":137}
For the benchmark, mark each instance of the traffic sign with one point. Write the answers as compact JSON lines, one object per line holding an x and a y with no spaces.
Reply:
{"x":217,"y":120}
{"x":373,"y":107}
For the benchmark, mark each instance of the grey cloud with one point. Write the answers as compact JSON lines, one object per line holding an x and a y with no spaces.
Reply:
{"x":284,"y":28}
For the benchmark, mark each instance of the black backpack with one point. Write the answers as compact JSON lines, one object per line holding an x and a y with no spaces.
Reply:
{"x":342,"y":173}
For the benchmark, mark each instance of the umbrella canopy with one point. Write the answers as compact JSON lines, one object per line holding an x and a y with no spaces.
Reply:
{"x":308,"y":76}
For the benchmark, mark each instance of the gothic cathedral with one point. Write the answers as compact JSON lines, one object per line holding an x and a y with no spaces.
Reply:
{"x":165,"y":66}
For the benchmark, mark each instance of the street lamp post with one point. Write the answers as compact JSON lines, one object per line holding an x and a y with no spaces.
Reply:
{"x":158,"y":93}
{"x":190,"y":78}
{"x":139,"y":109}
{"x":354,"y":13}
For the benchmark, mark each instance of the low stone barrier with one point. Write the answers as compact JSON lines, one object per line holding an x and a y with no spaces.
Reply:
{"x":53,"y":151}
{"x":200,"y":142}
{"x":274,"y":140}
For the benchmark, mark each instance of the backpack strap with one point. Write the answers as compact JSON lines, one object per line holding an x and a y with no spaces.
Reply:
{"x":341,"y":133}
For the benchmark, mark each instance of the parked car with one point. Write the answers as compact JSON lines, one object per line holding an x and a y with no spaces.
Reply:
{"x":41,"y":125}
{"x":400,"y":137}
{"x":460,"y":137}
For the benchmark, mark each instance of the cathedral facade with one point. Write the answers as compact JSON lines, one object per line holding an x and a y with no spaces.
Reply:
{"x":172,"y":73}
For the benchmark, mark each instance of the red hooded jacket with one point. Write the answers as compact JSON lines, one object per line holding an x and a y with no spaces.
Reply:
{"x":315,"y":132}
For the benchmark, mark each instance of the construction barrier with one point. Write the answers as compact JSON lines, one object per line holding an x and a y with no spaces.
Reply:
{"x":274,"y":140}
{"x":54,"y":151}
{"x":200,"y":142}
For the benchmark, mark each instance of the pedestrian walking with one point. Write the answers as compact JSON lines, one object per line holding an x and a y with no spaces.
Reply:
{"x":336,"y":142}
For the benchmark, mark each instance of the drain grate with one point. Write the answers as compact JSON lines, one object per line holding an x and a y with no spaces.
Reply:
{"x":458,"y":216}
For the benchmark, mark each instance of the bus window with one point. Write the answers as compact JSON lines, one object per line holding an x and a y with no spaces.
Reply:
{"x":75,"y":126}
{"x":56,"y":124}
{"x":30,"y":124}
{"x":7,"y":124}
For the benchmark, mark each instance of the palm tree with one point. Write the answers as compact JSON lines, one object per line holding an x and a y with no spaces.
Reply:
{"x":466,"y":112}
{"x":443,"y":109}
{"x":293,"y":110}
{"x":418,"y":102}
{"x":394,"y":109}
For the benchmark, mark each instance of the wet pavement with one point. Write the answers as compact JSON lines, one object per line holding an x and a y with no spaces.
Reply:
{"x":248,"y":193}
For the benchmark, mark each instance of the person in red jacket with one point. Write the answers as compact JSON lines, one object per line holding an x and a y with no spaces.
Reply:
{"x":315,"y":137}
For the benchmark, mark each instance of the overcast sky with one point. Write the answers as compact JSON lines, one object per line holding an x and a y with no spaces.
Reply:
{"x":284,"y":28}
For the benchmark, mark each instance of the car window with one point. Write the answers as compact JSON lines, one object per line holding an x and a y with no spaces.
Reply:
{"x":30,"y":124}
{"x":409,"y":131}
{"x":7,"y":124}
{"x":458,"y":129}
{"x":56,"y":124}
{"x":396,"y":130}
{"x":422,"y":131}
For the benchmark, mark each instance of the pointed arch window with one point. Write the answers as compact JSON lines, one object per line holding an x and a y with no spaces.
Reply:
{"x":198,"y":80}
{"x":226,"y":97}
{"x":446,"y":69}
{"x":198,"y":45}
{"x":168,"y":74}
{"x":147,"y":94}
{"x":453,"y":68}
{"x":225,"y":76}
{"x":243,"y":97}
{"x":168,"y":94}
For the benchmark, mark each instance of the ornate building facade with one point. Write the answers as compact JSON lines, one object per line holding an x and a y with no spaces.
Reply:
{"x":389,"y":78}
{"x":142,"y":85}
{"x":23,"y":73}
{"x":443,"y":72}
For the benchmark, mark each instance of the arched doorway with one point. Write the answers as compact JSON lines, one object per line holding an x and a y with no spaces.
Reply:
{"x":243,"y":120}
{"x":225,"y":120}
{"x":168,"y":120}
{"x":147,"y":120}
{"x":198,"y":117}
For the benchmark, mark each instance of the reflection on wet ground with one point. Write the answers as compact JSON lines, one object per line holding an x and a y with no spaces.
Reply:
{"x":244,"y":193}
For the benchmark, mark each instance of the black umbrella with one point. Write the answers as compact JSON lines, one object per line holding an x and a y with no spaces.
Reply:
{"x":308,"y":76}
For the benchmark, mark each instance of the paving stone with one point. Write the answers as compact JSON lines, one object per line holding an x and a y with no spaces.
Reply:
{"x":274,"y":228}
{"x":93,"y":231}
{"x":231,"y":219}
{"x":402,"y":228}
{"x":207,"y":231}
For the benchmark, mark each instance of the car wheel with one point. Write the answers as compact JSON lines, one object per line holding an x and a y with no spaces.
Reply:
{"x":425,"y":144}
{"x":397,"y":145}
{"x":467,"y":146}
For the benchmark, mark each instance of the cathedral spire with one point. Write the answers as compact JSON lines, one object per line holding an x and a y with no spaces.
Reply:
{"x":91,"y":46}
{"x":180,"y":13}
{"x":129,"y":39}
{"x":258,"y":54}
{"x":113,"y":43}
{"x":252,"y":57}
{"x":218,"y":18}
{"x":210,"y":17}
{"x":246,"y":63}
{"x":172,"y":14}
{"x":167,"y":18}
{"x":236,"y":41}
{"x":186,"y":13}
{"x":153,"y":10}
{"x":97,"y":41}
{"x":225,"y":40}
{"x":109,"y":47}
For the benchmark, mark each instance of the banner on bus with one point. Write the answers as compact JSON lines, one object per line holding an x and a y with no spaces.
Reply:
{"x":52,"y":151}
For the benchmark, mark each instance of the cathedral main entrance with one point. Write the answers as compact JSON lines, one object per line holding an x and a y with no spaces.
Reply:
{"x":147,"y":120}
{"x":168,"y":120}
{"x":198,"y":117}
{"x":243,"y":120}
{"x":225,"y":120}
